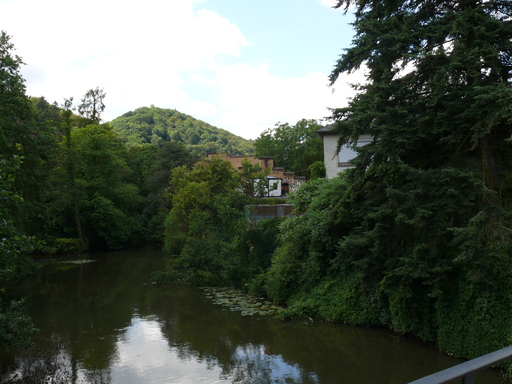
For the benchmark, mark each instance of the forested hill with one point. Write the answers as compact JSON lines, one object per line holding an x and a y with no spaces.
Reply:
{"x":157,"y":125}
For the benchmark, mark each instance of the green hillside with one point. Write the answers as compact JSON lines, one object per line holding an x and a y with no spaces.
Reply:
{"x":157,"y":125}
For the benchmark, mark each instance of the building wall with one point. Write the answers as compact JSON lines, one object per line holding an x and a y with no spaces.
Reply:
{"x":331,"y":155}
{"x":236,"y":161}
{"x":289,"y":181}
{"x":333,"y":164}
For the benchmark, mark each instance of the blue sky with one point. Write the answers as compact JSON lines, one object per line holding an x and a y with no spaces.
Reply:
{"x":240,"y":65}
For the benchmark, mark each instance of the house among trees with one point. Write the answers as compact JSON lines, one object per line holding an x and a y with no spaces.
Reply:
{"x":335,"y":160}
{"x":279,"y":182}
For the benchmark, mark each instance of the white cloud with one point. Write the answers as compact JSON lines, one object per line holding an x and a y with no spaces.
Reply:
{"x":173,"y":54}
{"x":201,"y":110}
{"x":329,"y":3}
{"x":252,"y":99}
{"x":136,"y":52}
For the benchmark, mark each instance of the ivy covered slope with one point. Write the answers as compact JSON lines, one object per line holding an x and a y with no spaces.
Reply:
{"x":156,"y":126}
{"x":417,"y":237}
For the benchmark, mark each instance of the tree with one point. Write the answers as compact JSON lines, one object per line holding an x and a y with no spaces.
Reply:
{"x":439,"y":84}
{"x":294,"y":147}
{"x":157,"y":183}
{"x":15,"y":327}
{"x":253,"y":179}
{"x":46,"y":112}
{"x":92,"y":199}
{"x":206,"y":219}
{"x":417,"y":237}
{"x":430,"y":196}
{"x":92,"y":105}
{"x":14,"y":104}
{"x":23,"y":136}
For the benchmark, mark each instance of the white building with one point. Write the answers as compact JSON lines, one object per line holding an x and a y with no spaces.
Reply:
{"x":337,"y":161}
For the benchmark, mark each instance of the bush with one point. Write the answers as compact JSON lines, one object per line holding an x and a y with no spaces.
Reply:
{"x":63,"y":246}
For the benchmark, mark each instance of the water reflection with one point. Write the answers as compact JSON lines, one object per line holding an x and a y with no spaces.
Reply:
{"x":144,"y":355}
{"x":105,"y":323}
{"x":253,"y":364}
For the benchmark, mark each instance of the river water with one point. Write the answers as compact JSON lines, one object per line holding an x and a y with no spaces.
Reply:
{"x":104,"y":322}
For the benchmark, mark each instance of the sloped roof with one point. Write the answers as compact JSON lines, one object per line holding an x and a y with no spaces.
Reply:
{"x":324,"y":131}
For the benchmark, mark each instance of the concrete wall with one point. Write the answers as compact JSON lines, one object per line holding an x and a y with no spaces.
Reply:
{"x":336,"y":162}
{"x":266,"y":211}
{"x":331,"y":155}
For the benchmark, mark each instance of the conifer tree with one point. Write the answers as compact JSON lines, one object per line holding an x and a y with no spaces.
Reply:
{"x":421,"y":231}
{"x":439,"y":83}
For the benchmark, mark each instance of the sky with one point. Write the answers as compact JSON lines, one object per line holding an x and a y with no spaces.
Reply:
{"x":240,"y":65}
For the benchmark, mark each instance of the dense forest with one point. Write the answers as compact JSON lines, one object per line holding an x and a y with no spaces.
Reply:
{"x":157,"y":126}
{"x":416,"y":237}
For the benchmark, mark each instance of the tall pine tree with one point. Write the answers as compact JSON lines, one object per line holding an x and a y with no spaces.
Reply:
{"x":423,"y":230}
{"x":439,"y":83}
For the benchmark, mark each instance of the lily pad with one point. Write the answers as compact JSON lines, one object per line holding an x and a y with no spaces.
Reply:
{"x":238,"y":301}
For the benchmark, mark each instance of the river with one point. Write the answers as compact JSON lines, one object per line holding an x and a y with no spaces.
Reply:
{"x":104,"y":322}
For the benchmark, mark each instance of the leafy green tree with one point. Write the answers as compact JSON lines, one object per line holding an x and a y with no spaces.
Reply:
{"x":92,"y":192}
{"x":23,"y":136}
{"x":206,"y":218}
{"x":294,"y":147}
{"x":253,"y":179}
{"x":45,"y":111}
{"x":317,"y":170}
{"x":141,"y":160}
{"x":14,"y":104}
{"x":15,"y":327}
{"x":170,"y":156}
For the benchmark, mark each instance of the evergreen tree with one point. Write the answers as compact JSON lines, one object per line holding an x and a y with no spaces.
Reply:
{"x":92,"y":105}
{"x":426,"y":215}
{"x":439,"y":84}
{"x":417,"y":237}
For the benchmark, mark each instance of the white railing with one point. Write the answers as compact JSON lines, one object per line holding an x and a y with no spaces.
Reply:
{"x":466,"y":371}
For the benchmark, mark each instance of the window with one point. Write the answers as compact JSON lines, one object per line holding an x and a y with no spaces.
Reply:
{"x":346,"y":153}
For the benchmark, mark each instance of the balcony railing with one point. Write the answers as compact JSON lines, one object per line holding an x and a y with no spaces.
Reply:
{"x":467,"y":370}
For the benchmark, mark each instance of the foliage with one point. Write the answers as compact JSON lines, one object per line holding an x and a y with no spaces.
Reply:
{"x":439,"y":84}
{"x":207,"y":215}
{"x":45,"y":111}
{"x":23,"y":136}
{"x":63,"y":247}
{"x":253,"y":179}
{"x":208,"y":232}
{"x":317,"y":170}
{"x":92,"y":194}
{"x":294,"y":147}
{"x":156,"y":126}
{"x":300,"y":259}
{"x":92,"y":105}
{"x":15,"y":327}
{"x":417,"y":236}
{"x":255,"y":248}
{"x":156,"y":184}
